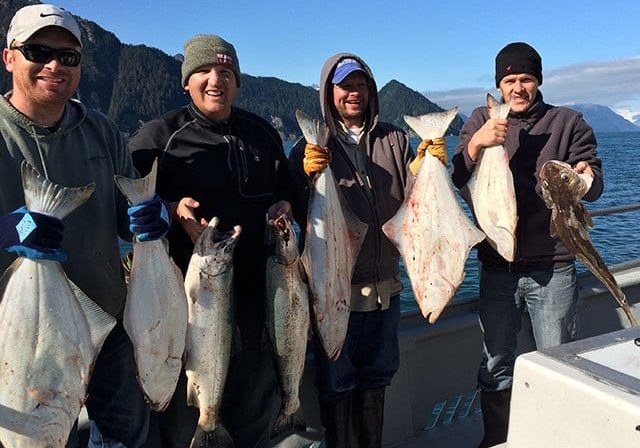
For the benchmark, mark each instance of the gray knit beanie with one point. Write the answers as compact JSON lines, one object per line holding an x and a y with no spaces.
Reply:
{"x":205,"y":49}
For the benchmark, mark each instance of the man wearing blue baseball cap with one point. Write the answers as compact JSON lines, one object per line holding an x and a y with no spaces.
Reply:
{"x":371,"y":162}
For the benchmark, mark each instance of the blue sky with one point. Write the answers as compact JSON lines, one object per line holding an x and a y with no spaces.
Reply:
{"x":590,"y":49}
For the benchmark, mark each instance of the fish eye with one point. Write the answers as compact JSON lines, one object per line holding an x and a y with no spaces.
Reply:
{"x":564,"y":177}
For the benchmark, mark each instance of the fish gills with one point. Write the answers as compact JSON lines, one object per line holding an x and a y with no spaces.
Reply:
{"x":332,"y":243}
{"x":562,"y":189}
{"x":208,"y":286}
{"x":155,"y":314}
{"x":430,"y":229}
{"x":44,"y":376}
{"x":492,"y":194}
{"x":287,"y":313}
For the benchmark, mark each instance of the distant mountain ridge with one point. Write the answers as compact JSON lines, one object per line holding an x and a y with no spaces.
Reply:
{"x":133,"y":84}
{"x":603,"y":119}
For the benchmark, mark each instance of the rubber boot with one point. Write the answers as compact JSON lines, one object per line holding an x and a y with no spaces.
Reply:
{"x":495,"y":417}
{"x":368,"y":416}
{"x":336,"y":419}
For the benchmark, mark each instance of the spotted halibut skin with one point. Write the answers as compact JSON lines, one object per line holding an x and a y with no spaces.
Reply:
{"x":562,"y":189}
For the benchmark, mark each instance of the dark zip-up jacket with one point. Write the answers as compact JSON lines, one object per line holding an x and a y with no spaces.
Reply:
{"x":544,"y":132}
{"x":388,"y":154}
{"x":235,"y":170}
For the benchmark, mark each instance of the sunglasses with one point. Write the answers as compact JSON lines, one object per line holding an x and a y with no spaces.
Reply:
{"x":43,"y":55}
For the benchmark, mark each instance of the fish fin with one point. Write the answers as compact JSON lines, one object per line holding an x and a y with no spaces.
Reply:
{"x":7,"y":275}
{"x":433,"y":125}
{"x":497,"y":110}
{"x":314,"y":131}
{"x":43,"y":196}
{"x":140,"y":190}
{"x":218,"y":438}
{"x":586,"y":217}
{"x":100,"y":322}
{"x":553,"y":232}
{"x":356,"y":228}
{"x":287,"y":423}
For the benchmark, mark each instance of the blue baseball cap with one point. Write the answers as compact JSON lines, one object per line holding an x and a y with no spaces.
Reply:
{"x":344,"y":68}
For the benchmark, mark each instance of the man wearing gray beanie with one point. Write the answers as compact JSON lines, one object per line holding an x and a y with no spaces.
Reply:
{"x":542,"y":277}
{"x":216,"y":160}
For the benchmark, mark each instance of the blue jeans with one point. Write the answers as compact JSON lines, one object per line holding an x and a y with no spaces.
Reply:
{"x":370,"y":355}
{"x":551,"y":297}
{"x":115,"y":403}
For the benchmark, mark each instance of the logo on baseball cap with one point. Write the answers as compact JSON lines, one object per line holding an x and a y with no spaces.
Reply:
{"x":31,"y":19}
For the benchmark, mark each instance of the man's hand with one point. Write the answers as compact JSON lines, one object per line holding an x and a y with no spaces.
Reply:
{"x":492,"y":133}
{"x":315,"y":159}
{"x":584,"y":168}
{"x":278,"y":209}
{"x":32,"y":235}
{"x":184,"y":212}
{"x":150,"y":220}
{"x":436,"y":148}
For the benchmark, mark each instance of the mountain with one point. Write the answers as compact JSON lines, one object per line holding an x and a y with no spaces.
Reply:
{"x":397,"y":100}
{"x":133,"y":84}
{"x":603,"y":119}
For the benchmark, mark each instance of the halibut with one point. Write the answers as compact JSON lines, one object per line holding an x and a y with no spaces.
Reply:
{"x":332,"y":242}
{"x":51,"y":334}
{"x":431,"y":231}
{"x":155,"y":314}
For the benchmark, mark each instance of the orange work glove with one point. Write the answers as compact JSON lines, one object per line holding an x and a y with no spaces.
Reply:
{"x":315,"y":159}
{"x":436,"y":148}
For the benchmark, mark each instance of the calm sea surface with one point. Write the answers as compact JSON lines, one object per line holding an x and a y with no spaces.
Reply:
{"x":615,"y":236}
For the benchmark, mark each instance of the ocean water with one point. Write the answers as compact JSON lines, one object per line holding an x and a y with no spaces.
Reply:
{"x":615,"y":236}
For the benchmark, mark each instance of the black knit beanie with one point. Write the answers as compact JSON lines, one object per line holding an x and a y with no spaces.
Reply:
{"x":518,"y":57}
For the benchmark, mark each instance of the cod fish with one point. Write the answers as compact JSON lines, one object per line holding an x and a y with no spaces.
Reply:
{"x":155,"y":314}
{"x":430,"y":229}
{"x":332,"y":242}
{"x":208,"y":284}
{"x":287,"y":314}
{"x":51,"y":333}
{"x":492,"y":194}
{"x":562,"y":189}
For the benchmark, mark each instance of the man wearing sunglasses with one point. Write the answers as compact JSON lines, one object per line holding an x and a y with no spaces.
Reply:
{"x":72,"y":146}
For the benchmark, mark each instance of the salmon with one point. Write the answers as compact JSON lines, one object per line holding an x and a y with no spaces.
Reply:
{"x":287,"y":313}
{"x":155,"y":314}
{"x":209,"y":289}
{"x":562,"y":189}
{"x":431,"y":231}
{"x":51,"y":334}
{"x":491,"y":192}
{"x":332,"y":242}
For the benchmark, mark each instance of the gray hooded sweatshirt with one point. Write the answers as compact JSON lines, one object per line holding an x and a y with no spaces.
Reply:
{"x":374,"y":200}
{"x":85,"y":147}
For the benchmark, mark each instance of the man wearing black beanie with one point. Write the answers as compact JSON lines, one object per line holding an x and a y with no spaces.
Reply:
{"x":542,"y":277}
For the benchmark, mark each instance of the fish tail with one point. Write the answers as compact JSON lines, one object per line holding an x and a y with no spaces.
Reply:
{"x":218,"y":438}
{"x":433,"y":125}
{"x":43,"y":196}
{"x":314,"y":131}
{"x":141,"y":190}
{"x":286,"y":422}
{"x":497,"y":110}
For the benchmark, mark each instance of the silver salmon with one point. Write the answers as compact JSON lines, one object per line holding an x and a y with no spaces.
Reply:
{"x":562,"y":189}
{"x":209,"y":288}
{"x":332,"y":242}
{"x":155,"y":314}
{"x":287,"y":313}
{"x":51,"y":334}
{"x":431,"y":231}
